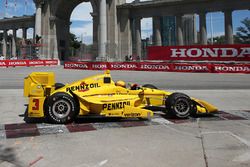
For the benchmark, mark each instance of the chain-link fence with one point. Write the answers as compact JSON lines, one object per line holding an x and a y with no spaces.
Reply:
{"x":26,"y":49}
{"x":23,"y":49}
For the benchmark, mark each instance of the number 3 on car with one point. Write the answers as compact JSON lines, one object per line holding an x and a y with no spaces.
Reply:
{"x":36,"y":106}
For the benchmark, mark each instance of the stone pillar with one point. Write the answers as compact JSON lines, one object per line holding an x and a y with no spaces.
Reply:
{"x":38,"y":23}
{"x":5,"y":36}
{"x":195,"y":30}
{"x":203,"y":29}
{"x":34,"y":35}
{"x":102,"y":31}
{"x":24,"y":33}
{"x":23,"y":44}
{"x":124,"y":32}
{"x":179,"y":30}
{"x":14,"y":43}
{"x":138,"y":36}
{"x":157,"y":31}
{"x":228,"y":27}
{"x":95,"y":33}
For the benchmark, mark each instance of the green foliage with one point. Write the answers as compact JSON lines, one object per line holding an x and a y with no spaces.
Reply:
{"x":74,"y":43}
{"x":218,"y":40}
{"x":243,"y":32}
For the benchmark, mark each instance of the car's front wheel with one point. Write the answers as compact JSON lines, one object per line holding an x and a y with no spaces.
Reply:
{"x":179,"y":105}
{"x":61,"y":108}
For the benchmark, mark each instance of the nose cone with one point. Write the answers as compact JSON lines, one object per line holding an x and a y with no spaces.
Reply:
{"x":209,"y":107}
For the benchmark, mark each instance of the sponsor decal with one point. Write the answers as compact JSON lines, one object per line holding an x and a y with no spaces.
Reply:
{"x":17,"y":63}
{"x":123,"y":66}
{"x":51,"y":62}
{"x":191,"y":68}
{"x":243,"y":69}
{"x":2,"y":63}
{"x":115,"y":106}
{"x":74,"y":65}
{"x":200,"y":52}
{"x":132,"y":115}
{"x":210,"y":52}
{"x":155,"y":67}
{"x":171,"y":67}
{"x":99,"y":66}
{"x":36,"y":62}
{"x":82,"y":87}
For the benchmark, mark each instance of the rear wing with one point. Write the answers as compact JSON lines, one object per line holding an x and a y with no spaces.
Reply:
{"x":39,"y":84}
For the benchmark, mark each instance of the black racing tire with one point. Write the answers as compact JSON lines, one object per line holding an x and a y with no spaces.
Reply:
{"x":26,"y":118}
{"x":149,"y":86}
{"x":30,"y":120}
{"x":180,"y":105}
{"x":61,"y":108}
{"x":59,"y":85}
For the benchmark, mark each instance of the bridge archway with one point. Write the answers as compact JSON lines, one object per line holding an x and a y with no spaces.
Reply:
{"x":63,"y":11}
{"x":53,"y":25}
{"x":81,"y":29}
{"x":56,"y":15}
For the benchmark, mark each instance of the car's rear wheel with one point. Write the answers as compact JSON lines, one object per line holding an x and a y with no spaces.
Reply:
{"x":149,"y":86}
{"x":61,"y":108}
{"x":179,"y":105}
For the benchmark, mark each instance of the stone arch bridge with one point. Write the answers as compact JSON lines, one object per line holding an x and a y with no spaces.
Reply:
{"x":116,"y":24}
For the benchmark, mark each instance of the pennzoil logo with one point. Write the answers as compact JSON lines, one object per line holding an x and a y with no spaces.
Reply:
{"x":115,"y":106}
{"x":83,"y":87}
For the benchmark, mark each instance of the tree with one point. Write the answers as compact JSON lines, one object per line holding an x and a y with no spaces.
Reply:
{"x":243,"y":34}
{"x":74,"y":43}
{"x":217,"y":40}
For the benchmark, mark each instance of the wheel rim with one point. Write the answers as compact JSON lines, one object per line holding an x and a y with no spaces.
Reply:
{"x":61,"y":109}
{"x":182,"y":106}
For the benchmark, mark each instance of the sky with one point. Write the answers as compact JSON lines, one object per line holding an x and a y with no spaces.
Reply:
{"x":82,"y":21}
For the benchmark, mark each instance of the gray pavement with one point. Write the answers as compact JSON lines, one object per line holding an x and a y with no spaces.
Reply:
{"x":200,"y":143}
{"x":12,"y":78}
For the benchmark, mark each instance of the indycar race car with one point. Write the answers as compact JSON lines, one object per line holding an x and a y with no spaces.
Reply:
{"x":99,"y":95}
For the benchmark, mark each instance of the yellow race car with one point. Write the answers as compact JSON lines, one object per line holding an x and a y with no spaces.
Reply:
{"x":99,"y":95}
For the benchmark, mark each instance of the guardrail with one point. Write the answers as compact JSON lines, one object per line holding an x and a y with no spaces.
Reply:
{"x":161,"y":66}
{"x":27,"y":63}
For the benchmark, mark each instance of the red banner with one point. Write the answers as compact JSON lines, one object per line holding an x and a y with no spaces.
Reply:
{"x":18,"y":63}
{"x":206,"y":68}
{"x":235,"y":68}
{"x":200,"y":53}
{"x":161,"y":66}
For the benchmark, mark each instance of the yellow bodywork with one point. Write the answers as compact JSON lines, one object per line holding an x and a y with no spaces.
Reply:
{"x":98,"y":95}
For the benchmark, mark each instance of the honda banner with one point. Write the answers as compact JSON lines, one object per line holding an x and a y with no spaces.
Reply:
{"x":200,"y":52}
{"x":18,"y":63}
{"x":161,"y":66}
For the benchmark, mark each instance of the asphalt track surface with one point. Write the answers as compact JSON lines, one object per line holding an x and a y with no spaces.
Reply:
{"x":12,"y":78}
{"x":222,"y":139}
